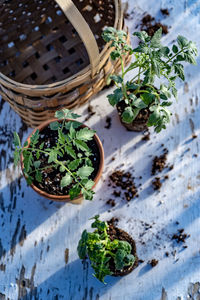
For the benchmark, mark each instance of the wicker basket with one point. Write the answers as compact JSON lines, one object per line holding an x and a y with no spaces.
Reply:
{"x":52,"y":54}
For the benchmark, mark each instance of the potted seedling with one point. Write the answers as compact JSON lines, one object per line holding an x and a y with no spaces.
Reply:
{"x":62,"y":159}
{"x":110,"y":250}
{"x":140,"y":101}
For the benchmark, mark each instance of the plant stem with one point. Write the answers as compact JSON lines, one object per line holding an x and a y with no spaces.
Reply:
{"x":61,"y":164}
{"x":182,"y":50}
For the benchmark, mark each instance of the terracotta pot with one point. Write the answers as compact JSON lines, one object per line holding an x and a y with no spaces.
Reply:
{"x":66,"y":198}
{"x":124,"y":236}
{"x":140,"y":122}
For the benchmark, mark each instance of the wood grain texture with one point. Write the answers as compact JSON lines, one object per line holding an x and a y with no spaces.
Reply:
{"x":36,"y":232}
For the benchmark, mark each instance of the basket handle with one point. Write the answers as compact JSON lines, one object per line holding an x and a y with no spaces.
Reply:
{"x":84,"y":31}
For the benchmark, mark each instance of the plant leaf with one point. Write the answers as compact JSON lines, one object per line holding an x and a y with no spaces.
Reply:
{"x":38,"y":176}
{"x":87,"y":194}
{"x":130,"y":114}
{"x":66,"y":180}
{"x":52,"y":156}
{"x":16,"y":140}
{"x":85,"y":171}
{"x":54,"y":125}
{"x":155,"y":41}
{"x":73,"y":165}
{"x":74,"y":191}
{"x":81,"y":145}
{"x":85,"y":134}
{"x":182,"y":41}
{"x":70,"y":151}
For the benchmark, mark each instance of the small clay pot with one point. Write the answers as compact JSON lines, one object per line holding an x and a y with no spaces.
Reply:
{"x":65,"y":198}
{"x":140,"y":122}
{"x":117,"y":233}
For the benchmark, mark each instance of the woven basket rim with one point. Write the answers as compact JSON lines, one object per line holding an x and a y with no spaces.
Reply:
{"x":10,"y":83}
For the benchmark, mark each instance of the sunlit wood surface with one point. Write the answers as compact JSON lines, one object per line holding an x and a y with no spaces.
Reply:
{"x":35,"y":232}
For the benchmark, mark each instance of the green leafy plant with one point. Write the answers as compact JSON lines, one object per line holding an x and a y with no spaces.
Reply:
{"x":99,"y":248}
{"x":71,"y":140}
{"x":151,"y":60}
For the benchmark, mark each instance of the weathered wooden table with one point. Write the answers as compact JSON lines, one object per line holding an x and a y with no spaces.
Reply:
{"x":36,"y":232}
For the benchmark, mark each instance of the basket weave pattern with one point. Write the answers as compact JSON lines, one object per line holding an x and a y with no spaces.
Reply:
{"x":44,"y":63}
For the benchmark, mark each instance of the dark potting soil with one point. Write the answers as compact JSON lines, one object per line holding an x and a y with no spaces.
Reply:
{"x":125,"y":181}
{"x":165,"y":11}
{"x":146,"y":136}
{"x":156,"y":183}
{"x":150,"y":25}
{"x":159,"y":162}
{"x":119,"y":234}
{"x":51,"y":177}
{"x":111,"y":202}
{"x":180,"y":236}
{"x":153,"y":262}
{"x":108,"y":122}
{"x":91,"y":112}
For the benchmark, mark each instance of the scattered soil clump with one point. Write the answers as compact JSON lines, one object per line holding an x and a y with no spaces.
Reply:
{"x":150,"y":25}
{"x":91,"y":112}
{"x":108,"y":122}
{"x":124,"y":181}
{"x":165,"y":11}
{"x":180,"y":236}
{"x":153,"y":262}
{"x":159,"y":162}
{"x":111,"y":202}
{"x":156,"y":183}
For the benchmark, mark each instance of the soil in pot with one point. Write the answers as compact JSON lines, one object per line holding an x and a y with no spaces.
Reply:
{"x":140,"y":122}
{"x":119,"y":234}
{"x":51,"y":177}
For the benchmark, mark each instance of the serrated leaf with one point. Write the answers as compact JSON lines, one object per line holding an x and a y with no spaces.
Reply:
{"x":59,"y":114}
{"x":37,"y":164}
{"x":72,"y":132}
{"x":70,"y":151}
{"x":89,"y":184}
{"x":28,"y":160}
{"x":17,"y":154}
{"x":88,"y":195}
{"x":182,"y":41}
{"x":74,"y":191}
{"x":38,"y":176}
{"x":85,"y":134}
{"x":84,"y":172}
{"x":73,"y":165}
{"x":155,"y":41}
{"x":54,"y":125}
{"x":66,"y":180}
{"x":81,"y":145}
{"x":41,"y":146}
{"x":174,"y":92}
{"x":74,"y":124}
{"x":179,"y":70}
{"x":35,"y":137}
{"x":16,"y":140}
{"x":52,"y":156}
{"x":142,"y":35}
